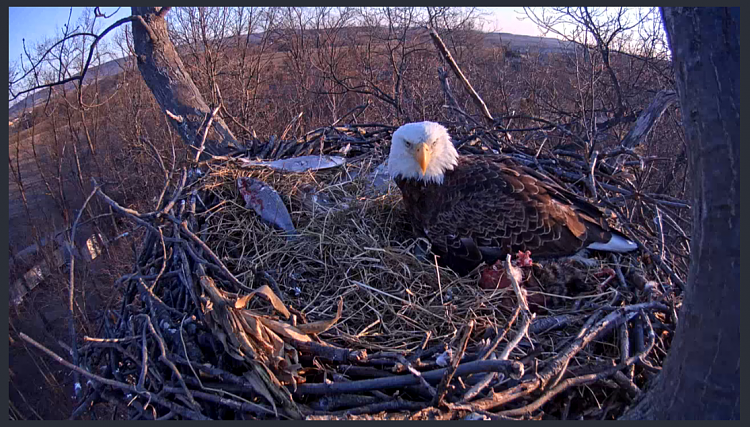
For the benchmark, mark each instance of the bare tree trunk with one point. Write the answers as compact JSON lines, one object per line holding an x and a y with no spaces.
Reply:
{"x":701,"y":375}
{"x":169,"y":81}
{"x":646,"y":122}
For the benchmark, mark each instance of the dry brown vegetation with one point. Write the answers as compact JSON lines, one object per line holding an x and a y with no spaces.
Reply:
{"x":276,"y":75}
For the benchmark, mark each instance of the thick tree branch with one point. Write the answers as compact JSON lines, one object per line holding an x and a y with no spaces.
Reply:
{"x":703,"y":381}
{"x":646,"y":121}
{"x":172,"y":86}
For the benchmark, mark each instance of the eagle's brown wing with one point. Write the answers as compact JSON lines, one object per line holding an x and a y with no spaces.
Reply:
{"x":488,"y":206}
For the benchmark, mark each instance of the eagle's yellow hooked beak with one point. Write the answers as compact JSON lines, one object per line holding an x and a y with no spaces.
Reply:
{"x":422,"y":155}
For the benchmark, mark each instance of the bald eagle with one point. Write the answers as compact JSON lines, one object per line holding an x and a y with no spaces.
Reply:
{"x":476,"y":209}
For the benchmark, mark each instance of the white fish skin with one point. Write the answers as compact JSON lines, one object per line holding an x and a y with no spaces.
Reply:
{"x":445,"y":358}
{"x":319,"y":202}
{"x":615,"y":244}
{"x":299,"y":164}
{"x":380,"y":179}
{"x":266,"y":202}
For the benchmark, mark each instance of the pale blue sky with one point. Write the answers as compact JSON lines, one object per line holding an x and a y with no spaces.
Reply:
{"x":37,"y":23}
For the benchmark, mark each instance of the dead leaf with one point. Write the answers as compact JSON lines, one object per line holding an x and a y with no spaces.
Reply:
{"x":214,"y":293}
{"x":267,"y":292}
{"x":278,"y":391}
{"x":223,"y":339}
{"x":252,"y":326}
{"x":242,"y":301}
{"x":289,"y":373}
{"x":260,"y":387}
{"x":292,"y":353}
{"x":245,"y":341}
{"x":276,"y":341}
{"x":285,"y":330}
{"x":322,"y":325}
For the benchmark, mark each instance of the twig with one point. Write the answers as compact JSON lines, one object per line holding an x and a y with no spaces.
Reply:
{"x":660,"y":225}
{"x":90,"y":399}
{"x":449,"y":59}
{"x":653,"y":256}
{"x":110,"y":340}
{"x":390,"y":406}
{"x":133,"y":214}
{"x":358,"y":107}
{"x":364,"y":371}
{"x":399,"y":381}
{"x":330,"y":352}
{"x":493,"y":416}
{"x":431,"y":390}
{"x":163,"y":358}
{"x":638,"y":338}
{"x":592,"y":180}
{"x":71,"y":293}
{"x":178,"y":119}
{"x":523,"y":305}
{"x":545,"y":324}
{"x":239,"y":406}
{"x":618,"y":271}
{"x":626,"y":383}
{"x":331,"y":403}
{"x":144,"y":360}
{"x":556,"y":367}
{"x":153,"y":297}
{"x":289,"y":126}
{"x":127,"y":387}
{"x":580,"y":380}
{"x":442,"y":388}
{"x":452,"y":103}
{"x":80,"y":77}
{"x":479,"y":386}
{"x":177,"y":193}
{"x":426,"y":352}
{"x":486,"y":352}
{"x":197,"y":240}
{"x":624,"y":337}
{"x":163,"y":262}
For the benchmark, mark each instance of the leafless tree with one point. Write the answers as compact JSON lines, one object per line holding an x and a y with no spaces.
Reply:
{"x":701,"y":375}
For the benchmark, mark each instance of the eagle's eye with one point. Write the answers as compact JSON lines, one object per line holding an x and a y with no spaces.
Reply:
{"x":408,"y":144}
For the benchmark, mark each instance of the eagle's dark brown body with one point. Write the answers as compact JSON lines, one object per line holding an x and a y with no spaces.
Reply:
{"x":489,"y":206}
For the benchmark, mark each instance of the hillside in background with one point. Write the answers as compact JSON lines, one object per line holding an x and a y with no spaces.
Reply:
{"x":100,"y":72}
{"x":515,"y":42}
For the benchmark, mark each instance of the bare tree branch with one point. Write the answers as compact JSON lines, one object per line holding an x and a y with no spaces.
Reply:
{"x":460,"y":75}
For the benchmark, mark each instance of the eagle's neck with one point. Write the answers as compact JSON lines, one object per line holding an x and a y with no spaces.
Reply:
{"x":416,"y":184}
{"x":415,"y":192}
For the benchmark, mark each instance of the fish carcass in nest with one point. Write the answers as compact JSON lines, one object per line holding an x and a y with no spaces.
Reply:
{"x":299,"y":164}
{"x":266,"y":202}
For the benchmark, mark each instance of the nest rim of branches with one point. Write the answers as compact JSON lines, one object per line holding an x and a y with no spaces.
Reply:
{"x":353,"y":294}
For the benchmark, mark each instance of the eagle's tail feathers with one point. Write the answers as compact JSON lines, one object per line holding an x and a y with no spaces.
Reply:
{"x":616,"y":244}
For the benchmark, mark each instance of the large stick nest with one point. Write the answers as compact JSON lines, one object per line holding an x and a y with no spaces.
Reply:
{"x":227,"y":317}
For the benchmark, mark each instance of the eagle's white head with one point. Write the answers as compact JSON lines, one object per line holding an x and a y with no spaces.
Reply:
{"x":422,"y":151}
